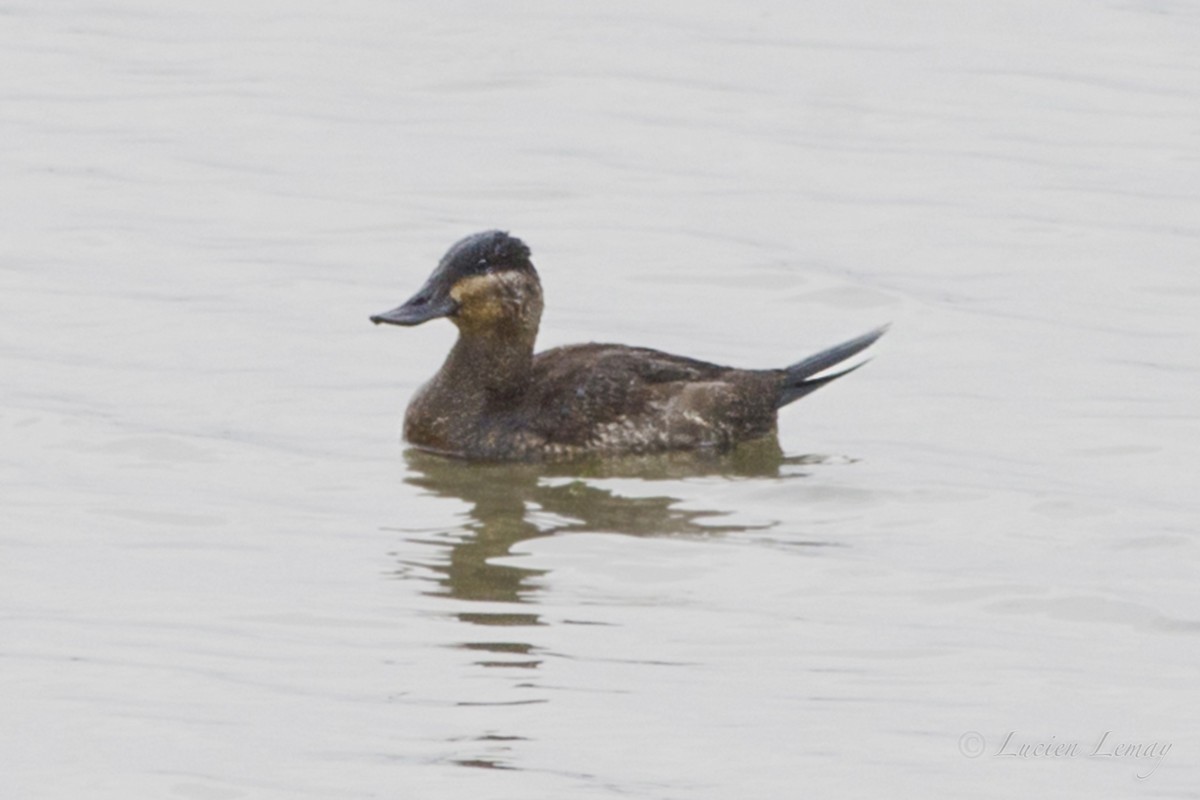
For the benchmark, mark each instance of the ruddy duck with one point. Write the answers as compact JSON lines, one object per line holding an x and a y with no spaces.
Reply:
{"x":494,"y":399}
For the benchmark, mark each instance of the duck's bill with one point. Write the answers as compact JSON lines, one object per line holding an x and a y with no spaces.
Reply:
{"x":421,"y":308}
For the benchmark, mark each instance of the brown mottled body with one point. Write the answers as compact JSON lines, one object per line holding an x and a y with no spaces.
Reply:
{"x":494,"y":399}
{"x":590,"y":398}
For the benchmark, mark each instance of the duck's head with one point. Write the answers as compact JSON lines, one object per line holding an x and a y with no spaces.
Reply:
{"x":485,"y":282}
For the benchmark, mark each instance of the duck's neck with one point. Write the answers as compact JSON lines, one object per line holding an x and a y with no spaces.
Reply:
{"x":493,"y":366}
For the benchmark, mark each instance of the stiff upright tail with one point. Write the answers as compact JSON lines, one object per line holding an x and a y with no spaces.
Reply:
{"x":799,"y":381}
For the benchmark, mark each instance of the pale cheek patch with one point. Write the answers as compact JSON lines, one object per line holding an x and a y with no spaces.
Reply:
{"x":485,"y":299}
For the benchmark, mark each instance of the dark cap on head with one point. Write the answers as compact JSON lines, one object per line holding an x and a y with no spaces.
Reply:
{"x":490,"y":251}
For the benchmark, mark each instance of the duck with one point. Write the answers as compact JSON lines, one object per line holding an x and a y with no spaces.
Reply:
{"x":495,"y":399}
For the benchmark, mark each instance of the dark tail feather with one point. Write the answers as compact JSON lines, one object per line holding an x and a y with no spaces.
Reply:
{"x":799,"y":381}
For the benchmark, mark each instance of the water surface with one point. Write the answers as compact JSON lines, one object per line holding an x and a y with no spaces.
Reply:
{"x":224,"y":577}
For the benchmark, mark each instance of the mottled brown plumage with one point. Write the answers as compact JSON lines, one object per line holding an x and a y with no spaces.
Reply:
{"x":495,"y":399}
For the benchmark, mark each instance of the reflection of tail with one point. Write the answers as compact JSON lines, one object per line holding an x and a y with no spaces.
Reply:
{"x":799,"y":380}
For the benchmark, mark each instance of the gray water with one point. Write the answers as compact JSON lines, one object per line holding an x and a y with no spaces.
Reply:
{"x":972,"y":575}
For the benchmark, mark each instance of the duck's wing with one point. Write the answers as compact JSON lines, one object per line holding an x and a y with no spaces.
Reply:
{"x":585,"y":391}
{"x":614,"y":370}
{"x":595,"y":384}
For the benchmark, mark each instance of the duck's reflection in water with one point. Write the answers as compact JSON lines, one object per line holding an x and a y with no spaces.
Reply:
{"x":510,"y":503}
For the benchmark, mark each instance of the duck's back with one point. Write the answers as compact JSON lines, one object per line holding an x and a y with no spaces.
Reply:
{"x":605,"y":397}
